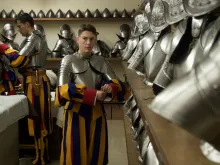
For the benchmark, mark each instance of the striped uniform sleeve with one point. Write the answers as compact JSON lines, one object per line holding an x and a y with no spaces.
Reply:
{"x":16,"y":60}
{"x":75,"y":92}
{"x":118,"y":90}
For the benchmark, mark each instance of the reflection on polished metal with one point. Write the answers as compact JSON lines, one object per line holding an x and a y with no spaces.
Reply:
{"x":40,"y":29}
{"x":32,"y":14}
{"x":139,"y":129}
{"x":131,"y":45}
{"x":50,"y":14}
{"x":4,"y":14}
{"x":156,"y":57}
{"x":88,"y":14}
{"x":150,"y":157}
{"x":196,"y":51}
{"x":157,"y":17}
{"x":116,"y":14}
{"x":106,"y":13}
{"x":132,"y":106}
{"x":141,"y":24}
{"x":132,"y":13}
{"x":210,"y":152}
{"x":143,"y":142}
{"x":21,"y":12}
{"x":165,"y":75}
{"x":200,"y":90}
{"x":12,"y":14}
{"x":97,"y":14}
{"x":174,"y":11}
{"x":200,"y":7}
{"x":128,"y":102}
{"x":8,"y":32}
{"x":135,"y":118}
{"x":142,"y":49}
{"x":79,"y":14}
{"x":59,"y":14}
{"x":69,"y":14}
{"x":101,"y":49}
{"x":125,"y":14}
{"x":125,"y":32}
{"x":41,"y":14}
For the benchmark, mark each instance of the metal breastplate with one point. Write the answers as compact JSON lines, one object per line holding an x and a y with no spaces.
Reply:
{"x":131,"y":45}
{"x":155,"y":58}
{"x":32,"y":44}
{"x":165,"y":75}
{"x":204,"y":42}
{"x":143,"y":47}
{"x":63,"y":48}
{"x":200,"y":90}
{"x":81,"y":70}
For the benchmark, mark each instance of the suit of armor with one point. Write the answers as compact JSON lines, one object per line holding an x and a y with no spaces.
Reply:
{"x":84,"y":126}
{"x":30,"y":60}
{"x":65,"y":45}
{"x":196,"y":90}
{"x":101,"y":49}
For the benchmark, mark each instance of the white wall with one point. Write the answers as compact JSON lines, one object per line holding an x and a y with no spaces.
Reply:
{"x":106,"y":29}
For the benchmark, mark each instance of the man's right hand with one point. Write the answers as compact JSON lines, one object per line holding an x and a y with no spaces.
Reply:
{"x":101,"y":95}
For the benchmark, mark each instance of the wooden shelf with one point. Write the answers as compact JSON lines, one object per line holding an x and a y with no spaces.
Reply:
{"x":172,"y":144}
{"x":73,"y":19}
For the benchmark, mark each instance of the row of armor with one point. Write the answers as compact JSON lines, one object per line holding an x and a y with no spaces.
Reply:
{"x":140,"y":134}
{"x":175,"y":46}
{"x":69,"y":14}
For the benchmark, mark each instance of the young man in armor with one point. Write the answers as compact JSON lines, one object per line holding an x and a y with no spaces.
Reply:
{"x":30,"y":59}
{"x":85,"y":81}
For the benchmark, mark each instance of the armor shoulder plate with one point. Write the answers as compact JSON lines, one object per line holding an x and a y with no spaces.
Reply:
{"x":98,"y":63}
{"x":30,"y":44}
{"x":165,"y":43}
{"x":78,"y":63}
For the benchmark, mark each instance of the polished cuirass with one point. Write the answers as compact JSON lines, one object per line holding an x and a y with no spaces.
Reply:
{"x":197,"y":97}
{"x":63,"y":47}
{"x":130,"y":47}
{"x":154,"y":60}
{"x":165,"y":75}
{"x":34,"y":47}
{"x":196,"y":50}
{"x":89,"y":71}
{"x":143,"y":47}
{"x":101,"y":49}
{"x":118,"y":48}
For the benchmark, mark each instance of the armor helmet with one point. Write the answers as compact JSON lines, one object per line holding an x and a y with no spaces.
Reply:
{"x":65,"y":31}
{"x":106,"y":13}
{"x":125,"y":32}
{"x":88,"y":14}
{"x":50,"y":14}
{"x":200,"y":7}
{"x":97,"y":14}
{"x":41,"y":14}
{"x":39,"y":28}
{"x":125,"y":14}
{"x":69,"y":14}
{"x":8,"y":32}
{"x":141,"y":24}
{"x":21,"y":12}
{"x":59,"y":14}
{"x":12,"y":14}
{"x":174,"y":11}
{"x":157,"y":17}
{"x":116,"y":14}
{"x":4,"y":14}
{"x":79,"y":14}
{"x":32,"y":14}
{"x":132,"y":13}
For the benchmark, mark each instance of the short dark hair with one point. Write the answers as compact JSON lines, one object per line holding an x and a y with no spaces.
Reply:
{"x":87,"y":27}
{"x":25,"y":17}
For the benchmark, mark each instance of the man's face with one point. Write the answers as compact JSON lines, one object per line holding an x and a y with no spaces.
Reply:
{"x":23,"y":28}
{"x":86,"y":42}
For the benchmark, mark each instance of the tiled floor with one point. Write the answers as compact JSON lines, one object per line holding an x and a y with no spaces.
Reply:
{"x":117,"y":144}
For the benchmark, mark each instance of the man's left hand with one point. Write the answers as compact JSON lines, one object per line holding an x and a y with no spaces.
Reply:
{"x":106,"y":88}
